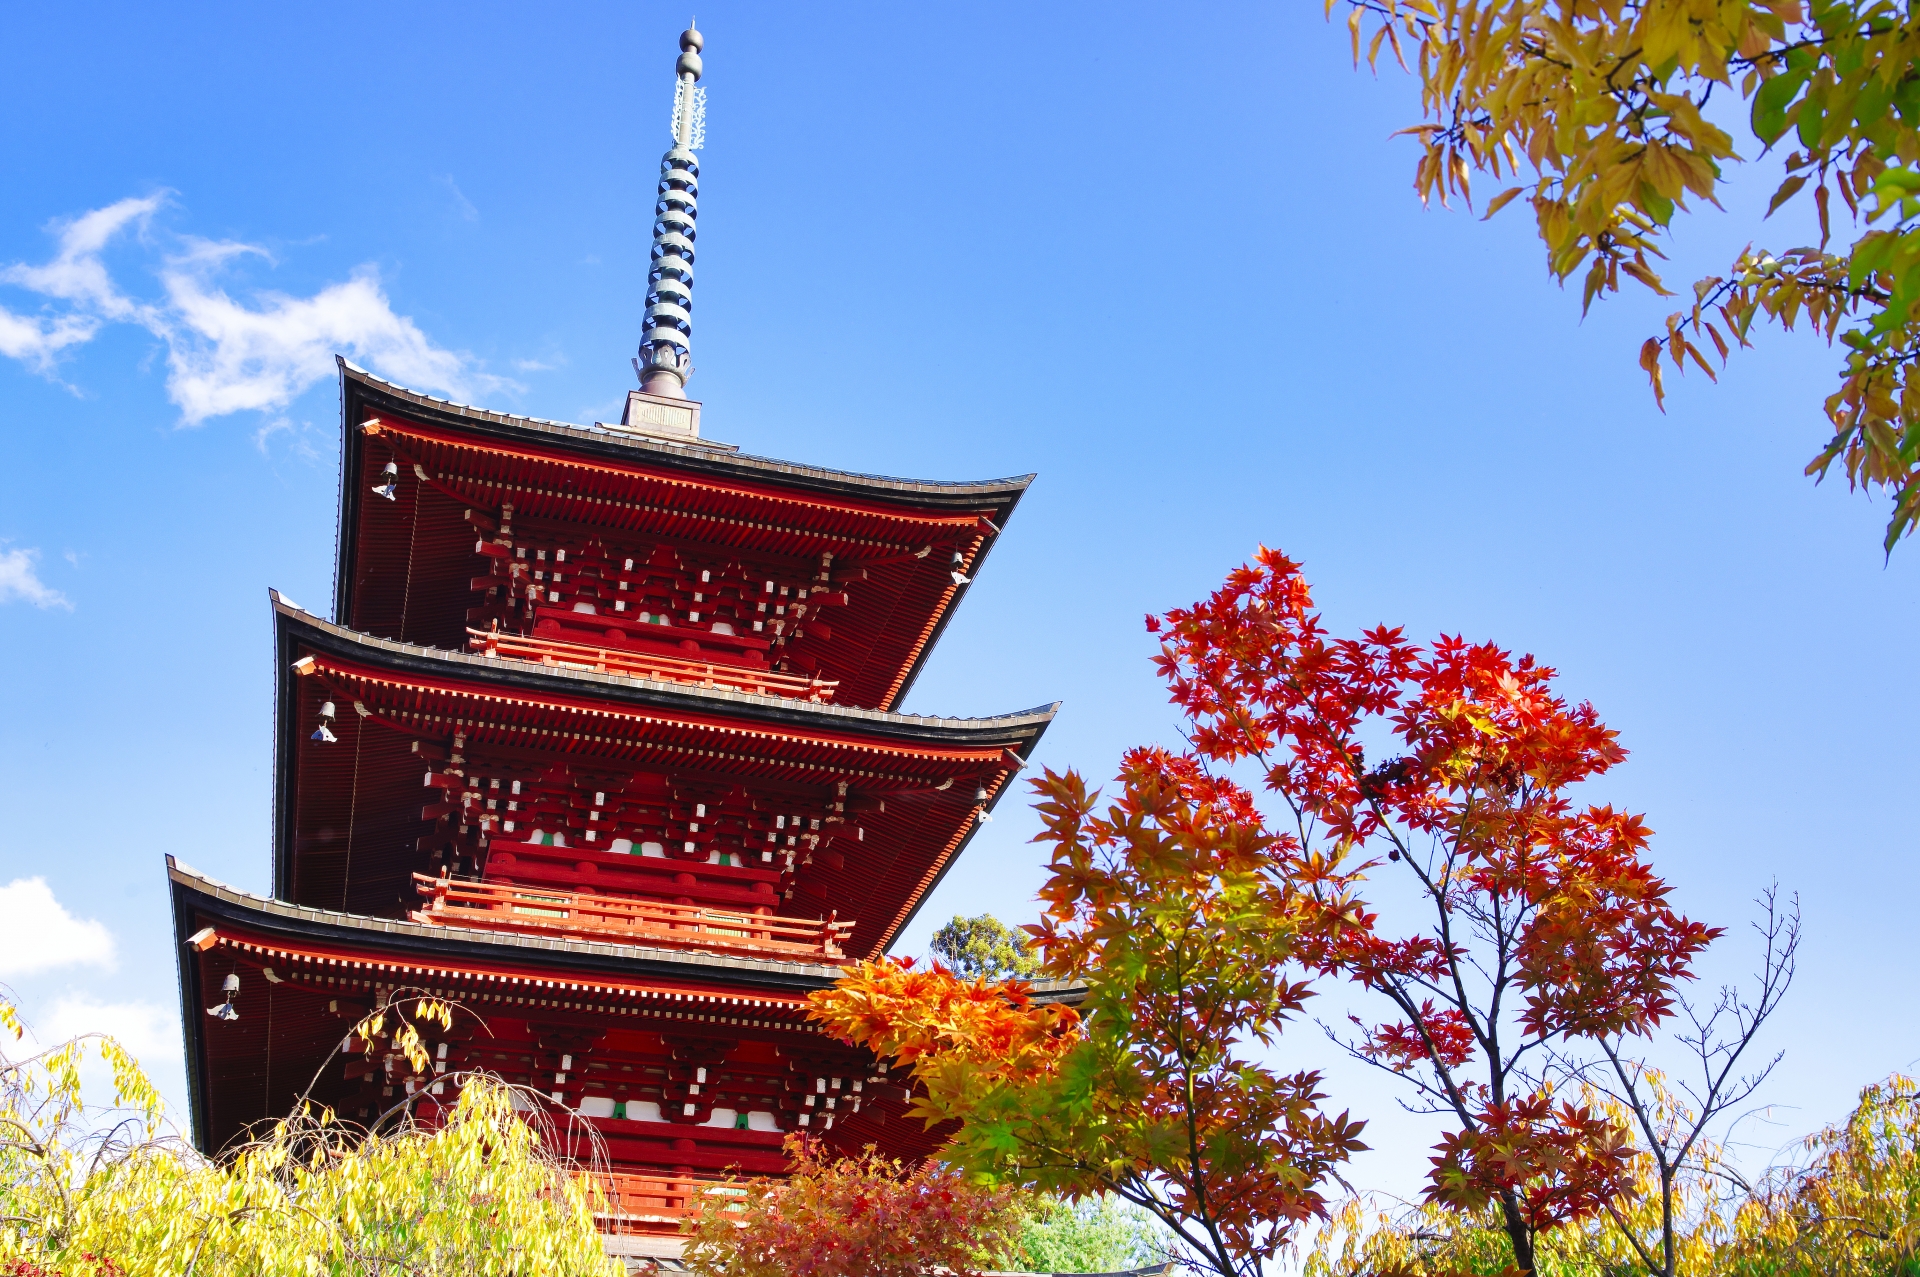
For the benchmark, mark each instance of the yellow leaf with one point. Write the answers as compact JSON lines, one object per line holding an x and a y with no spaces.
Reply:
{"x":1501,"y":200}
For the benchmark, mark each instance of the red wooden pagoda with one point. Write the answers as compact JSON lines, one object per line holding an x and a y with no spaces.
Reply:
{"x":601,"y":745}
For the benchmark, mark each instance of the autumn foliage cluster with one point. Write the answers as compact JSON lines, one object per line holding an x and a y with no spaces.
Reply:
{"x":865,"y":1214}
{"x":1538,"y":909}
{"x":1199,"y":925}
{"x":1168,"y":906}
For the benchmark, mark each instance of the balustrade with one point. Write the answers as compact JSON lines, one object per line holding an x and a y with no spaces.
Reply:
{"x":504,"y":907}
{"x":656,"y":1199}
{"x":659,"y":667}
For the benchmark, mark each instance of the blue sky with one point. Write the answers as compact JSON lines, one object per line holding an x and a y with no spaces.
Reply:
{"x":1173,"y":264}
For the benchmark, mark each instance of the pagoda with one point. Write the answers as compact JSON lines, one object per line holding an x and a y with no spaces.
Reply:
{"x":601,"y":744}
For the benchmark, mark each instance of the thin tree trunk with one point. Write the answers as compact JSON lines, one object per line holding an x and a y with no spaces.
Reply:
{"x":1518,"y":1235}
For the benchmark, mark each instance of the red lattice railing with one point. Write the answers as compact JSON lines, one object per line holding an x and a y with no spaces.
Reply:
{"x":504,"y":907}
{"x":687,"y":671}
{"x":661,"y":1201}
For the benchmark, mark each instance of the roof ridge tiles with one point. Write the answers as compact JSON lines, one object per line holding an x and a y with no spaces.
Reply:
{"x":722,"y":455}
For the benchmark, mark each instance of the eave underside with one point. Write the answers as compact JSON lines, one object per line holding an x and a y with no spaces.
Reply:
{"x":633,"y":1027}
{"x":405,"y":565}
{"x":350,"y":811}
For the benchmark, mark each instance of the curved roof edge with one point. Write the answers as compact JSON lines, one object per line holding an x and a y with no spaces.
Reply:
{"x":533,"y":677}
{"x":356,"y":383}
{"x":194,"y":896}
{"x":687,"y":455}
{"x":631,"y":959}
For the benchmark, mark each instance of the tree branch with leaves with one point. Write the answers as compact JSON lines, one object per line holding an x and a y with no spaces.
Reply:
{"x":983,"y":946}
{"x":1598,"y":113}
{"x":474,"y":1190}
{"x":1540,"y":926}
{"x":1165,"y":904}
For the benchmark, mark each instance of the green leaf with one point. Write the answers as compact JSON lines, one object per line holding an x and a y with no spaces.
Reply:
{"x":1906,"y":99}
{"x":1870,"y":105}
{"x":1811,"y":118}
{"x":1868,"y":256}
{"x":1896,"y":182}
{"x":1658,"y":206}
{"x":1771,"y":102}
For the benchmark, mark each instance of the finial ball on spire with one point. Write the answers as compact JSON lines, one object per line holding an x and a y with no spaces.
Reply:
{"x":689,"y":64}
{"x":691,"y":40}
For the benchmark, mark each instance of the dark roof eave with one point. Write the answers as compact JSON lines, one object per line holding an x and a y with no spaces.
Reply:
{"x":901,"y":923}
{"x":1018,"y":733}
{"x":359,"y":386}
{"x":947,"y":613}
{"x":920,"y":493}
{"x":195,"y":893}
{"x":190,"y":1012}
{"x":193,"y":896}
{"x":1010,"y":730}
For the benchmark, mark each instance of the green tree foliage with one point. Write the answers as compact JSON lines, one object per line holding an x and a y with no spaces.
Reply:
{"x":1093,"y":1235}
{"x":85,"y":1193}
{"x":1600,"y":109}
{"x":983,"y":948}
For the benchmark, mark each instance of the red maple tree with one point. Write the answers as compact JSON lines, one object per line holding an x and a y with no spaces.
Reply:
{"x":1168,"y":906}
{"x":1544,"y":928}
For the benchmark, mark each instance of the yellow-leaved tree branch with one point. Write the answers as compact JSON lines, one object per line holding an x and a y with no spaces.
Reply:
{"x":478,"y":1191}
{"x":1596,"y":112}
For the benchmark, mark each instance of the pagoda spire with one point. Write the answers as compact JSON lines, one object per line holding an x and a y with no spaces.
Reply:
{"x":665,"y":360}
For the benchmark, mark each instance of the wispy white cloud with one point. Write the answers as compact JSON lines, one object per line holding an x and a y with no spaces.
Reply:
{"x":299,"y":437}
{"x":76,"y":273}
{"x":268,"y":429}
{"x":150,"y":1031}
{"x":460,"y":201}
{"x":226,"y":354}
{"x":20,"y":579}
{"x":36,"y":341}
{"x":38,"y":934}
